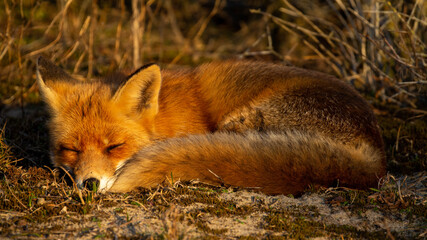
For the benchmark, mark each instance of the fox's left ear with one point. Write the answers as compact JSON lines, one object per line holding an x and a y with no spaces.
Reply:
{"x":139,"y":96}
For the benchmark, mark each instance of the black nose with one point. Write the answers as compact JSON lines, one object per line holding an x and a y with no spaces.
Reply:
{"x":92,"y":184}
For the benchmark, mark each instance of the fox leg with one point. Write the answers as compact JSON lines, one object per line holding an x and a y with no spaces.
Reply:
{"x":262,"y":115}
{"x":242,"y":120}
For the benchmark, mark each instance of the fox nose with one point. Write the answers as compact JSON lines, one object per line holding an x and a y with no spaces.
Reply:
{"x":91,"y":183}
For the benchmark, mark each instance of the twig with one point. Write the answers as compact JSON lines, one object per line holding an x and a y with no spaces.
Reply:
{"x":139,"y":203}
{"x":314,"y":26}
{"x":270,"y":51}
{"x":119,"y":31}
{"x":50,"y":45}
{"x":11,"y":192}
{"x":199,"y":33}
{"x":220,"y":179}
{"x":74,"y":185}
{"x":93,"y":22}
{"x":9,"y":18}
{"x":332,"y":65}
{"x":174,"y":23}
{"x":136,"y":36}
{"x":397,"y":138}
{"x":79,"y":61}
{"x":77,"y":43}
{"x":61,"y":15}
{"x":412,"y":83}
{"x":6,"y":48}
{"x":397,"y":13}
{"x":207,"y":20}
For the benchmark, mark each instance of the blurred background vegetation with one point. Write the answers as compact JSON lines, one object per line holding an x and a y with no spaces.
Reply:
{"x":378,"y":46}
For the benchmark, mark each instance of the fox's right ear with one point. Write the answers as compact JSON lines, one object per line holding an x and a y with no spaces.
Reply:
{"x":139,"y":96}
{"x":47,"y":75}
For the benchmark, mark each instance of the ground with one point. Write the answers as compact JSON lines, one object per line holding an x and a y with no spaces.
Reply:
{"x":54,"y":210}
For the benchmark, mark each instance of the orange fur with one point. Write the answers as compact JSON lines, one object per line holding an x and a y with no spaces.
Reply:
{"x":248,"y":124}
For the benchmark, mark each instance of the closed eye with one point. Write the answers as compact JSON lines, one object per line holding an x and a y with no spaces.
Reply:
{"x":63,"y":148}
{"x":114,"y":146}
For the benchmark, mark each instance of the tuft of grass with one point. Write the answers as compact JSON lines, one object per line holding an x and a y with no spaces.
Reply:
{"x":6,"y":155}
{"x":404,"y":194}
{"x":298,"y":227}
{"x":405,"y":142}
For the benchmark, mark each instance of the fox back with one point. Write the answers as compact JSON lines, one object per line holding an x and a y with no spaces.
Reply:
{"x":242,"y":123}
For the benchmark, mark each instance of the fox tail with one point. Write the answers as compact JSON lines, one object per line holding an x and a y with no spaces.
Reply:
{"x":274,"y":162}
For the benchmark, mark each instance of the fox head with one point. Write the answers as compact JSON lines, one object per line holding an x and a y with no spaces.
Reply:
{"x":96,"y":126}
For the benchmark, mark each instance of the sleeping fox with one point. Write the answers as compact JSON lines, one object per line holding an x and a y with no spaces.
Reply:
{"x":250,"y":124}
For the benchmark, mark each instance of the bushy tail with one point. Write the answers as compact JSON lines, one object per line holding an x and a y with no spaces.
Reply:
{"x":276,"y":163}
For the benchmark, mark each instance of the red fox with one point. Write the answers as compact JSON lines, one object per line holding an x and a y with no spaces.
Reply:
{"x":250,"y":124}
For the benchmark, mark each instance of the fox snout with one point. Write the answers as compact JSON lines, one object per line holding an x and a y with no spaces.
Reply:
{"x":96,"y":184}
{"x":92,"y":170}
{"x":94,"y":173}
{"x":91,"y":184}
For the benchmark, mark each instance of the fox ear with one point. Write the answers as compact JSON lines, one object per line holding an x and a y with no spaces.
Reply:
{"x":47,"y":74}
{"x":139,"y":96}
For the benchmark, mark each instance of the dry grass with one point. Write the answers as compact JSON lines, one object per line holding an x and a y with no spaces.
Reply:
{"x":84,"y":36}
{"x":381,"y":45}
{"x":6,"y":156}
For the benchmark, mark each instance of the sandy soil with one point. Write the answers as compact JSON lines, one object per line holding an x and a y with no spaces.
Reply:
{"x":319,"y":211}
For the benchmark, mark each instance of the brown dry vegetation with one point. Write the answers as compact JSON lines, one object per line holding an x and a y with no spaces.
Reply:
{"x":378,"y":46}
